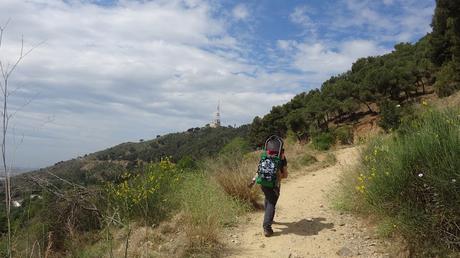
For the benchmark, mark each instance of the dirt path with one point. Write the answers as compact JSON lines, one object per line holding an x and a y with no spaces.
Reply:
{"x":305,"y":224}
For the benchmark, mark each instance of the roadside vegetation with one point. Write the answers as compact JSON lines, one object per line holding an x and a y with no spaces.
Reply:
{"x":410,"y":181}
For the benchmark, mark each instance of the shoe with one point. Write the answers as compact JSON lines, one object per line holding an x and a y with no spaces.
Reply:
{"x":268,"y":232}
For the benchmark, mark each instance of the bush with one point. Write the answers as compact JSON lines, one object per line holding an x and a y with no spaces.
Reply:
{"x":390,"y":116}
{"x":323,"y":141}
{"x":148,"y":194}
{"x":307,"y":160}
{"x":447,"y":80}
{"x":344,"y":134}
{"x":414,"y":178}
{"x":237,"y":146}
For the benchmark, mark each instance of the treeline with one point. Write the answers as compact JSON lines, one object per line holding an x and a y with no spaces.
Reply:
{"x":387,"y":80}
{"x":195,"y":143}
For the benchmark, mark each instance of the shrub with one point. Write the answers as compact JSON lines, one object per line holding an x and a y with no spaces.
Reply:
{"x":390,"y":116}
{"x":414,"y":178}
{"x":307,"y":160}
{"x":148,"y":194}
{"x":344,"y":134}
{"x":447,"y":80}
{"x":323,"y":141}
{"x":237,"y":146}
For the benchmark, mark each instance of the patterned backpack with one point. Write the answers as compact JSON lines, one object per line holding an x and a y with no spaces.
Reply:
{"x":270,"y":162}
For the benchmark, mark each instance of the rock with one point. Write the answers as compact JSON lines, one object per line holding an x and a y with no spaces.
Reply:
{"x":344,"y":251}
{"x":321,"y":206}
{"x":262,"y":246}
{"x":313,"y":174}
{"x":333,"y":229}
{"x":342,"y":224}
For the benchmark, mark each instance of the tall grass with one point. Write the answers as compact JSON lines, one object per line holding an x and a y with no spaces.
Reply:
{"x":233,"y":172}
{"x":413,"y":179}
{"x":206,"y":209}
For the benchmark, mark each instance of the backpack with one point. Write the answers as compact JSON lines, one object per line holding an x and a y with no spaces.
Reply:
{"x":270,"y":162}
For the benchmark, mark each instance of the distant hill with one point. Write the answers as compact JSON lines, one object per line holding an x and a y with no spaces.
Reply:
{"x":107,"y":165}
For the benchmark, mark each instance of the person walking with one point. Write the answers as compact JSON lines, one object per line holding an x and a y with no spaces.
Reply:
{"x":272,"y":168}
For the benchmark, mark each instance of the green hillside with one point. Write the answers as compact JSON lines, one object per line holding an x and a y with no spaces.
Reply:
{"x":397,"y":78}
{"x":107,"y":165}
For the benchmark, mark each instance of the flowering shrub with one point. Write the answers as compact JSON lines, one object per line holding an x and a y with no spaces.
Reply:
{"x":148,"y":194}
{"x":413,"y":177}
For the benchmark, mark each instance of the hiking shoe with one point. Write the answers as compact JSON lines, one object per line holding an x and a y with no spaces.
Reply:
{"x":268,"y":232}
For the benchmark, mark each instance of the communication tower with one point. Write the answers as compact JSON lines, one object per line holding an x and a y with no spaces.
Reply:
{"x":216,"y":122}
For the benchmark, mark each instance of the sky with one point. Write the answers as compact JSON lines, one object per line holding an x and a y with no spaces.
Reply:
{"x":103,"y":72}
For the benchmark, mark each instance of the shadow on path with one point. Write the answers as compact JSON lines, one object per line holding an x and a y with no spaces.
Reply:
{"x":302,"y":227}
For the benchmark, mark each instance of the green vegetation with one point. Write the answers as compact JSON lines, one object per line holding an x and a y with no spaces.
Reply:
{"x":323,"y":141}
{"x":207,"y":209}
{"x":344,"y":135}
{"x":147,"y":194}
{"x":392,"y":79}
{"x":390,"y":115}
{"x":195,"y":143}
{"x":412,"y":179}
{"x":397,"y":77}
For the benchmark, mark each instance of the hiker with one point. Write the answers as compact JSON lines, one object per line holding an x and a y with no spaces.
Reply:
{"x":272,"y":168}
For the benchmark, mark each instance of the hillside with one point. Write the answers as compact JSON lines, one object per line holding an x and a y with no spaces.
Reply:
{"x":107,"y":165}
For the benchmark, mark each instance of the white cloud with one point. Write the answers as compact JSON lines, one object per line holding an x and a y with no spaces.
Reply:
{"x":301,"y":16}
{"x":388,"y":2}
{"x":126,"y":72}
{"x":381,"y":21}
{"x":322,"y":60}
{"x":240,"y":12}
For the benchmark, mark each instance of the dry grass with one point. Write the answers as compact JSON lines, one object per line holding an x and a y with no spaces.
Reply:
{"x":234,"y":175}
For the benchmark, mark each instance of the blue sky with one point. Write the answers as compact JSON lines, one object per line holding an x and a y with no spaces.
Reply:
{"x":114,"y":71}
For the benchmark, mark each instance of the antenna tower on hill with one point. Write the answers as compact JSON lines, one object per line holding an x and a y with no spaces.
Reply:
{"x":216,"y":122}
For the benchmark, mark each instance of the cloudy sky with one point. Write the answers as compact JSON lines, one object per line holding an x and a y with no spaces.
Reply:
{"x":108,"y":71}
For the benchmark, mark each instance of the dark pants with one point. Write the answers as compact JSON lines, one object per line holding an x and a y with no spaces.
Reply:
{"x":271,"y":197}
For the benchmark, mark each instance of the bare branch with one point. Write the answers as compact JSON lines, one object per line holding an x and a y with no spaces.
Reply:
{"x":21,"y":57}
{"x":66,"y":181}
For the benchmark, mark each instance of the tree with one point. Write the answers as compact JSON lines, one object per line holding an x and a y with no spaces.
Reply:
{"x":7,"y":71}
